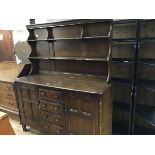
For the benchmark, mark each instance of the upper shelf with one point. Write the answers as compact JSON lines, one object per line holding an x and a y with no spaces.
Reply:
{"x":70,"y":58}
{"x":124,"y":21}
{"x":67,"y":23}
{"x":78,"y":38}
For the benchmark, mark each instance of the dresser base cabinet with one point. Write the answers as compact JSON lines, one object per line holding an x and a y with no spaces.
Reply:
{"x":57,"y":111}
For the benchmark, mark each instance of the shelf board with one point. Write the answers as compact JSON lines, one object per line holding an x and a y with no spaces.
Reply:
{"x":67,"y":23}
{"x":146,"y":39}
{"x":78,"y":38}
{"x":121,"y":128}
{"x":150,"y":62}
{"x":70,"y":58}
{"x":147,"y":84}
{"x":133,"y":40}
{"x":122,"y":60}
{"x":124,"y":22}
{"x":147,"y":113}
{"x":122,"y":81}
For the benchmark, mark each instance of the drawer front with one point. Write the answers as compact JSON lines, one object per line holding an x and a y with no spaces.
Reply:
{"x":50,"y":95}
{"x":8,"y":103}
{"x":52,"y":107}
{"x":7,"y":94}
{"x":51,"y":118}
{"x":6,"y":86}
{"x":52,"y":129}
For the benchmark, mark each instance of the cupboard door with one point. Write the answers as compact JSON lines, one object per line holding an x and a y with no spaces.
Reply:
{"x":28,"y":103}
{"x":82,"y":114}
{"x":79,"y":124}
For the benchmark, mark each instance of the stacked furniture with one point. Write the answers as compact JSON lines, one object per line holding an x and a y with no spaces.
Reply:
{"x":67,"y":90}
{"x":123,"y":64}
{"x":6,"y":45}
{"x":9,"y":71}
{"x":145,"y":100}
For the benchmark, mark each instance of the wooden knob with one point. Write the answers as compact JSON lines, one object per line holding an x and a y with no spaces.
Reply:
{"x":58,"y":131}
{"x":55,"y":97}
{"x":55,"y":108}
{"x":46,"y":127}
{"x":44,"y":105}
{"x":57,"y":120}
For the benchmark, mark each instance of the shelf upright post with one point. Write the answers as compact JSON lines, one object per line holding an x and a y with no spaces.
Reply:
{"x":32,"y":21}
{"x":134,"y":85}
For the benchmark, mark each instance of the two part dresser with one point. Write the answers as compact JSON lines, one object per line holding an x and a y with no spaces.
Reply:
{"x":67,"y":91}
{"x":9,"y":71}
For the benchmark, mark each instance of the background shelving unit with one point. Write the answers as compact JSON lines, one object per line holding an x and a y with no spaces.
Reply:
{"x":123,"y":71}
{"x":145,"y":99}
{"x":135,"y":82}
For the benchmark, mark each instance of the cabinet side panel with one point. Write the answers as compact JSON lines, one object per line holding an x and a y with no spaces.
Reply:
{"x":105,"y":115}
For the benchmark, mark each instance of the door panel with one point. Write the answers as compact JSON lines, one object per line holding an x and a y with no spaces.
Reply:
{"x":29,"y":104}
{"x":81,"y":114}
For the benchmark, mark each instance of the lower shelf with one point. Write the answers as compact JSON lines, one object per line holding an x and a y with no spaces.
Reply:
{"x":122,"y":129}
{"x":147,"y":113}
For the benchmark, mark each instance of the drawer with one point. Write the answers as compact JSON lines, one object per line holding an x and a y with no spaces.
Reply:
{"x":52,"y":129}
{"x":6,"y":86}
{"x":8,"y":103}
{"x":52,"y":118}
{"x":50,"y":95}
{"x":52,"y":107}
{"x":7,"y":94}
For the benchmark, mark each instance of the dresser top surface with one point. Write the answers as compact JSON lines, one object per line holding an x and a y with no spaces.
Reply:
{"x":81,"y":83}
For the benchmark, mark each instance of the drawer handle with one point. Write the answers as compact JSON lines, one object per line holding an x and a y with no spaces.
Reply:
{"x":57,"y":120}
{"x":72,"y":110}
{"x":58,"y":131}
{"x":44,"y":105}
{"x":55,"y":97}
{"x":46,"y":127}
{"x":87,"y":114}
{"x":55,"y":108}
